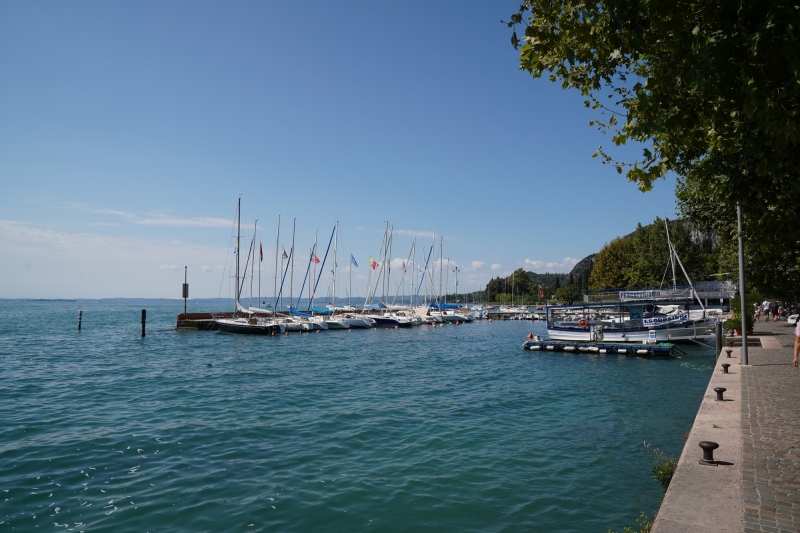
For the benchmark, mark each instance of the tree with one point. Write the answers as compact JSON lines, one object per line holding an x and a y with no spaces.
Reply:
{"x":712,"y":88}
{"x":642,"y":258}
{"x":613,"y":265}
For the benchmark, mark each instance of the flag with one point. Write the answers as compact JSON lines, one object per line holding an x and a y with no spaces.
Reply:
{"x":372,"y":263}
{"x":283,"y":255}
{"x":404,"y":267}
{"x":314,"y":258}
{"x":236,"y":247}
{"x":353,"y":261}
{"x":541,"y":293}
{"x":261,"y":252}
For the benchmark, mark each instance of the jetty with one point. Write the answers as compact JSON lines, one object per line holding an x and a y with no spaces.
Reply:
{"x":751,"y":483}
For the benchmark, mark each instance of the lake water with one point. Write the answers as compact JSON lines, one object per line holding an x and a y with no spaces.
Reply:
{"x":424,"y":429}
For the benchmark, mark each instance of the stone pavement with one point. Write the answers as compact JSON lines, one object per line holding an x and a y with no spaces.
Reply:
{"x":771,"y":434}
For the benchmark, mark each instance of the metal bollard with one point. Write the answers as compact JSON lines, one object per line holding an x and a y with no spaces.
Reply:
{"x":719,"y":391}
{"x":728,"y":352}
{"x":725,"y":367}
{"x":708,"y":450}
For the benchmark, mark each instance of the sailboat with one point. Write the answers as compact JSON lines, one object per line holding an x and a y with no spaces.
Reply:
{"x":243,"y":320}
{"x":332,"y":320}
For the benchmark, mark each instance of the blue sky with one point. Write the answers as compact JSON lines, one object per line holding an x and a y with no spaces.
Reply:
{"x":129,"y":130}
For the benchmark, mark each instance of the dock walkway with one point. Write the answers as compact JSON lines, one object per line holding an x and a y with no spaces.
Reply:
{"x":756,"y":484}
{"x":771,"y":434}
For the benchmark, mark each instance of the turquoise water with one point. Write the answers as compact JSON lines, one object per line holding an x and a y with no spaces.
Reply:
{"x":424,"y":429}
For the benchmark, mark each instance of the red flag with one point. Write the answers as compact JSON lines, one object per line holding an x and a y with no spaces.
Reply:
{"x":316,"y":259}
{"x":261,"y":252}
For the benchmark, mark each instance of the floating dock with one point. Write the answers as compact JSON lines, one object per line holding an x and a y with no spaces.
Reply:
{"x":661,"y":349}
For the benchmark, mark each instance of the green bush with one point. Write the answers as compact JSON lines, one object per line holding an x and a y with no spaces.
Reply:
{"x":644,"y":524}
{"x":663,"y":472}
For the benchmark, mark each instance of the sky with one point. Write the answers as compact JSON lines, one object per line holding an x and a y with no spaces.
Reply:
{"x":129,"y":130}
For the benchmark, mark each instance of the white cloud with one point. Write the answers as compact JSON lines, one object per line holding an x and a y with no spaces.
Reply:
{"x":477,"y":264}
{"x":205,"y":268}
{"x":202,"y":222}
{"x":552,"y":266}
{"x":157,"y":219}
{"x":89,"y":265}
{"x":496,"y":266}
{"x":414,"y":233}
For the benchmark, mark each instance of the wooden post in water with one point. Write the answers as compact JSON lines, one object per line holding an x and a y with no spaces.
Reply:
{"x":186,"y":287}
{"x":80,"y":318}
{"x":144,"y":319}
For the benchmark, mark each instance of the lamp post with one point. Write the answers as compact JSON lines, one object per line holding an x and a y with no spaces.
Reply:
{"x":743,"y":309}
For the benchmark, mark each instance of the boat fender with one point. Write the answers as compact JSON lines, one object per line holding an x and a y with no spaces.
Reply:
{"x":569,"y":348}
{"x":642,"y":352}
{"x":535,"y":348}
{"x":603,"y":350}
{"x":583,"y":323}
{"x":551,"y":348}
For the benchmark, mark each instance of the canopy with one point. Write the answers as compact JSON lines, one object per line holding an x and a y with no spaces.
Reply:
{"x":293,"y":311}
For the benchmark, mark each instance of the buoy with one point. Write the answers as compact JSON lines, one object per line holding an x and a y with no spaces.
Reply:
{"x":530,"y":335}
{"x":583,"y":322}
{"x":490,"y":320}
{"x":272,"y":333}
{"x":457,"y":323}
{"x":209,"y":365}
{"x":287,"y":332}
{"x":396,"y":327}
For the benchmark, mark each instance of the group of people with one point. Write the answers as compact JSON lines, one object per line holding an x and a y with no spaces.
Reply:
{"x":768,"y":309}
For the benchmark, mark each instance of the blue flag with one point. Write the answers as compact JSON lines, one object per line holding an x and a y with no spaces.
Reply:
{"x":353,"y":261}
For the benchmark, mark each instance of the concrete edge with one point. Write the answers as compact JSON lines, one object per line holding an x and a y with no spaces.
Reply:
{"x":701,"y":497}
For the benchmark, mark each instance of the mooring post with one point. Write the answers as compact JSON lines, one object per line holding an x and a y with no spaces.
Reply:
{"x":144,"y":319}
{"x":80,"y":318}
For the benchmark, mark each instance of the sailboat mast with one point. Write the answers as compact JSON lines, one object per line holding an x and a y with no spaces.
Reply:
{"x":291,"y":278}
{"x":335,"y":249}
{"x":671,"y":254}
{"x":255,"y":231}
{"x":275,"y":287}
{"x":238,"y":234}
{"x":441,"y":260}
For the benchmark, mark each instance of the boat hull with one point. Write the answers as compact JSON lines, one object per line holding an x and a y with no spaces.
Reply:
{"x":247,"y":328}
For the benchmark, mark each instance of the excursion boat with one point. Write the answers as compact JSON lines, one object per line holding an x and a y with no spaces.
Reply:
{"x":663,"y":315}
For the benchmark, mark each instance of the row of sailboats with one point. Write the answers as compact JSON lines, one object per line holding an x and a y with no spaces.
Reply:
{"x":258,"y":320}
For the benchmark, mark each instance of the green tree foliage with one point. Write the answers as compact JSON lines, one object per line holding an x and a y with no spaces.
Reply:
{"x":711,"y":88}
{"x":613,"y":265}
{"x":569,"y":294}
{"x":641,"y":259}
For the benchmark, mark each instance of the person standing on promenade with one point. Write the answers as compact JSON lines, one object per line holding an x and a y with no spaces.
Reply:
{"x":796,"y":342}
{"x":757,"y":313}
{"x":765,"y":308}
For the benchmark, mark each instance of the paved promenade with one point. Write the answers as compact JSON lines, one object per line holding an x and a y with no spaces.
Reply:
{"x":771,"y":434}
